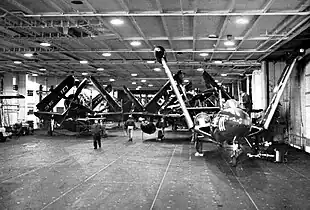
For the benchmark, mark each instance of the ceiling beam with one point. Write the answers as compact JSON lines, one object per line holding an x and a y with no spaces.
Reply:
{"x":223,"y":27}
{"x":300,"y":27}
{"x":239,"y":63}
{"x":168,"y":13}
{"x":20,"y":6}
{"x":194,"y":30}
{"x":158,"y":4}
{"x":52,"y":50}
{"x":252,"y":25}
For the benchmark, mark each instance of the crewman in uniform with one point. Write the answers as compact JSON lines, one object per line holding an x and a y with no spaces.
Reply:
{"x":161,"y":129}
{"x":246,"y":102}
{"x":129,"y":126}
{"x":96,"y":131}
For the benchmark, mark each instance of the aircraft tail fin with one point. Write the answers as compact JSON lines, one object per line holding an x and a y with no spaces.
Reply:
{"x":265,"y":121}
{"x":162,"y":95}
{"x":210,"y":83}
{"x":138,"y":106}
{"x":50,"y":101}
{"x":114,"y":104}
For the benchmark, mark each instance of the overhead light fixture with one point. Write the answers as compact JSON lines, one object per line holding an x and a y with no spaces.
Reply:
{"x":157,"y":69}
{"x":229,"y":42}
{"x":106,"y":54}
{"x":216,"y":80}
{"x":134,"y":75}
{"x":100,"y":69}
{"x":242,"y":20}
{"x":111,"y":80}
{"x":42,"y":69}
{"x":186,"y":80}
{"x":84,"y":73}
{"x":143,"y":80}
{"x":213,"y":36}
{"x":45,"y":44}
{"x":34,"y":75}
{"x":219,"y":83}
{"x":117,"y":21}
{"x":301,"y":50}
{"x":139,"y":86}
{"x":223,"y":75}
{"x":150,"y":61}
{"x":84,"y":62}
{"x":150,"y":85}
{"x":204,"y":54}
{"x":133,"y":83}
{"x":218,"y":62}
{"x":17,"y":62}
{"x":28,"y":54}
{"x":200,"y":69}
{"x":76,"y":2}
{"x":135,"y":43}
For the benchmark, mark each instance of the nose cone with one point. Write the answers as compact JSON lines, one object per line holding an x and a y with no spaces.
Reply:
{"x":159,"y":53}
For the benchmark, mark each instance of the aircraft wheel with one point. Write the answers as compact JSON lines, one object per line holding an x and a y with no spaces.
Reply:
{"x":198,"y":145}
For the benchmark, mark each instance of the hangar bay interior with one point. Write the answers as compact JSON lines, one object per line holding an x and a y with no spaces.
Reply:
{"x":66,"y":64}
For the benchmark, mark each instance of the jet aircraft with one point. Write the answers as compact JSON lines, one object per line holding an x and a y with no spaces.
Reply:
{"x":230,"y":124}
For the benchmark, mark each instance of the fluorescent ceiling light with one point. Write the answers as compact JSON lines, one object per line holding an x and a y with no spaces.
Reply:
{"x":223,"y":75}
{"x":28,"y":54}
{"x":84,"y":73}
{"x":134,"y":75}
{"x":111,"y":80}
{"x":133,"y":83}
{"x":34,"y":75}
{"x":42,"y":69}
{"x":150,"y":85}
{"x":200,"y":69}
{"x":106,"y":54}
{"x":186,"y":80}
{"x":212,"y":36}
{"x":143,"y":80}
{"x":204,"y":54}
{"x":116,"y":22}
{"x":100,"y":69}
{"x":218,"y":62}
{"x":135,"y":43}
{"x":229,"y":43}
{"x":150,"y":61}
{"x":216,"y":80}
{"x":139,"y":86}
{"x":84,"y":62}
{"x":157,"y":69}
{"x":242,"y":21}
{"x":45,"y":44}
{"x":17,"y":62}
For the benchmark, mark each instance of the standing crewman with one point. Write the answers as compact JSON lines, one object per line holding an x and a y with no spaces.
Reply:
{"x":161,"y":129}
{"x":246,"y":102}
{"x":129,"y":126}
{"x":96,"y":131}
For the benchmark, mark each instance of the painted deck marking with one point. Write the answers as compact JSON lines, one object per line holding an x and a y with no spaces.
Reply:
{"x":246,"y":192}
{"x":298,"y":172}
{"x":90,"y":177}
{"x":162,"y":180}
{"x":33,"y":170}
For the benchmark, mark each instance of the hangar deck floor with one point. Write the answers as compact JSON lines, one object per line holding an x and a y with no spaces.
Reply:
{"x":42,"y":172}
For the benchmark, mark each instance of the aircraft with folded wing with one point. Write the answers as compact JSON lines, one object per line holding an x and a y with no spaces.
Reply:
{"x":230,"y":124}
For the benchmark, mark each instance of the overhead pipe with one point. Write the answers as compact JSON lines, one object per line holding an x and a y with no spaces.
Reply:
{"x":170,"y":13}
